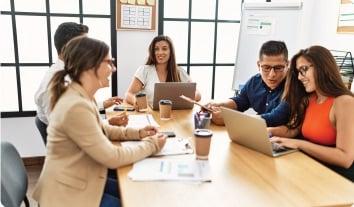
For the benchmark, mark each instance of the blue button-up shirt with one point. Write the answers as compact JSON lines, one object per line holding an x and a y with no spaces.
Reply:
{"x":266,"y":102}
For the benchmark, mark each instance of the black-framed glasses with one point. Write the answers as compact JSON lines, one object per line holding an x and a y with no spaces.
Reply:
{"x":276,"y":68}
{"x":303,"y":69}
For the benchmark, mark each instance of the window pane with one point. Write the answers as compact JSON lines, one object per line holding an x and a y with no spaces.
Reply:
{"x":7,"y":53}
{"x":54,"y":23}
{"x":203,"y":77}
{"x":99,"y":28}
{"x":8,"y":89}
{"x":31,"y":77}
{"x":178,"y":32}
{"x":229,"y":9}
{"x":203,"y":9}
{"x":202,"y":42}
{"x":5,"y":5}
{"x":30,"y":6}
{"x":223,"y":82}
{"x":96,"y":7}
{"x":64,"y":6}
{"x":176,"y":8}
{"x":227,"y":42}
{"x":32,"y":39}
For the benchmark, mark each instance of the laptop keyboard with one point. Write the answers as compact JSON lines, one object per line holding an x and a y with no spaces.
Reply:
{"x":277,"y":148}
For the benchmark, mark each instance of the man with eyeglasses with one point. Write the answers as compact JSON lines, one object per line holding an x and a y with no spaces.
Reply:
{"x":263,"y":91}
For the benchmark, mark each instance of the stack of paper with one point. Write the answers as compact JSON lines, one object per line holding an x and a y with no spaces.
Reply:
{"x":141,"y":120}
{"x":173,"y":146}
{"x":152,"y":169}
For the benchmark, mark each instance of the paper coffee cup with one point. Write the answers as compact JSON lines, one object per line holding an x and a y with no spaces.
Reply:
{"x":141,"y":101}
{"x":165,"y":107}
{"x":202,"y":143}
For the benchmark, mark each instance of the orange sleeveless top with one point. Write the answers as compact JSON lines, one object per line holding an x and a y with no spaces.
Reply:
{"x":317,"y":127}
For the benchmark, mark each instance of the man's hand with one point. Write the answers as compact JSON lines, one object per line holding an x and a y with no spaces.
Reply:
{"x":216,"y":117}
{"x":111,"y":101}
{"x":119,"y":120}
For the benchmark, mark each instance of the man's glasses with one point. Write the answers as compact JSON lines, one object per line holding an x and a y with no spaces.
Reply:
{"x":303,"y":69}
{"x":276,"y":68}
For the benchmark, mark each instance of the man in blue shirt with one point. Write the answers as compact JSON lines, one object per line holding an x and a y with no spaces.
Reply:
{"x":263,"y":91}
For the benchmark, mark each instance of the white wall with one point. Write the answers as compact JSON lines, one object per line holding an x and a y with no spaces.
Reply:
{"x":132,"y":51}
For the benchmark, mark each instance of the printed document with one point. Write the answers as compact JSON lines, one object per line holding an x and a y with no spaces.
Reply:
{"x":141,"y":120}
{"x":173,"y":146}
{"x":155,"y":169}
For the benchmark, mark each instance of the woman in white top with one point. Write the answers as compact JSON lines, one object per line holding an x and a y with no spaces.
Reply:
{"x":160,"y":67}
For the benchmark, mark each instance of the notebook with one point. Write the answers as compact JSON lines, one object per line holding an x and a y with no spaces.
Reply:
{"x":251,"y":131}
{"x":172,"y":91}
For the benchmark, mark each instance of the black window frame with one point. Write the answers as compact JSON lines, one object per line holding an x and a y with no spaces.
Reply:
{"x":48,"y":14}
{"x":162,"y":19}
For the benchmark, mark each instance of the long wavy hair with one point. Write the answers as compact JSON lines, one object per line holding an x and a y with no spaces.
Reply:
{"x":79,"y":54}
{"x":327,"y":80}
{"x":172,"y":71}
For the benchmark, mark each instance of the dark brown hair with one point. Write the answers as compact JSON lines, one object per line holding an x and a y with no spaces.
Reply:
{"x":327,"y":79}
{"x":79,"y":54}
{"x":172,"y":72}
{"x":274,"y":48}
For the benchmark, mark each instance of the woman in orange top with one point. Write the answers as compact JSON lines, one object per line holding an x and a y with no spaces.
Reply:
{"x":322,"y":110}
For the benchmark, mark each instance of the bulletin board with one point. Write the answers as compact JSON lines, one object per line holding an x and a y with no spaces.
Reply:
{"x":136,"y":14}
{"x":346,"y":17}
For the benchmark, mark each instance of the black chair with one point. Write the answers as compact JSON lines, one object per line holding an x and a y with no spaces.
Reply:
{"x":42,"y":128}
{"x":14,"y":181}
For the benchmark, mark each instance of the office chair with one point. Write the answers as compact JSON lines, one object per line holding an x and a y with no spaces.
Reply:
{"x":42,"y":128}
{"x":14,"y":179}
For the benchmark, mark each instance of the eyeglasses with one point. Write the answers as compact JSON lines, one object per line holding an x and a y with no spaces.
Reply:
{"x":303,"y":69}
{"x":111,"y":63}
{"x":276,"y":68}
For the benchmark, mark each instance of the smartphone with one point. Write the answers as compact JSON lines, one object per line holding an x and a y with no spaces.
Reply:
{"x":123,"y":108}
{"x":169,"y":134}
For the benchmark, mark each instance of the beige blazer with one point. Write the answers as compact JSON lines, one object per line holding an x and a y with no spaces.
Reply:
{"x":79,"y":152}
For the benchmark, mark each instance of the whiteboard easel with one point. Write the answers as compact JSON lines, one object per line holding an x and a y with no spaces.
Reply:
{"x":261,"y":22}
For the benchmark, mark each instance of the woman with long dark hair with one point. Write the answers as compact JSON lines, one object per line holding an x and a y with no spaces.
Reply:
{"x":160,"y":67}
{"x":322,"y":111}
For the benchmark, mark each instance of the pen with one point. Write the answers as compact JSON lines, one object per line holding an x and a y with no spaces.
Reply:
{"x":147,"y":117}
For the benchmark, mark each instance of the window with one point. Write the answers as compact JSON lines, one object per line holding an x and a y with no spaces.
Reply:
{"x":205,"y":35}
{"x":28,"y":49}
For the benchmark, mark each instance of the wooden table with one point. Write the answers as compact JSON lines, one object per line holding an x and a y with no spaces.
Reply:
{"x":240,"y":177}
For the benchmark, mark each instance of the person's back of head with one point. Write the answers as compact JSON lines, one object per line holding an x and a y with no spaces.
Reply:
{"x":66,"y":31}
{"x":273,"y":48}
{"x":80,"y":54}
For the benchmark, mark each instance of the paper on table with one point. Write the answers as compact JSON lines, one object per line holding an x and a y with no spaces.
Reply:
{"x":141,"y":120}
{"x":173,"y":146}
{"x":153,"y":169}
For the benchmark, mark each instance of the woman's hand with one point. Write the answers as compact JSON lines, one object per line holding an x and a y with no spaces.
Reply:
{"x":161,"y":139}
{"x":111,"y":101}
{"x":147,"y":131}
{"x":119,"y":120}
{"x":287,"y":142}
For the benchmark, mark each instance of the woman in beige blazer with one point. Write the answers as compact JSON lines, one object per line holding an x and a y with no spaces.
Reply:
{"x":79,"y":150}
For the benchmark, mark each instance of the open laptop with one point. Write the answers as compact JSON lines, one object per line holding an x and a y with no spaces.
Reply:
{"x":172,"y":91}
{"x":251,"y":131}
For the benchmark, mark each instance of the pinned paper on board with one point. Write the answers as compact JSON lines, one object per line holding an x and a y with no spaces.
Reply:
{"x":260,"y":25}
{"x":346,"y":17}
{"x":136,"y":14}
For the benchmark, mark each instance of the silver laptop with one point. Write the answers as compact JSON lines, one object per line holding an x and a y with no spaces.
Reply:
{"x":251,"y":131}
{"x":172,"y":91}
